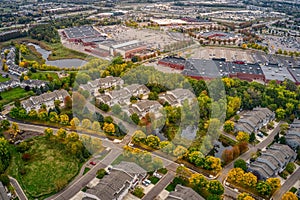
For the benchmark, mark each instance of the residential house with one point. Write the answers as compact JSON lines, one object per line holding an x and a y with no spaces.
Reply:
{"x":12,"y":67}
{"x":33,"y":83}
{"x":47,"y":99}
{"x":133,"y":169}
{"x":176,"y":97}
{"x":252,"y":121}
{"x":102,"y":83}
{"x":272,"y":161}
{"x":183,"y":193}
{"x":116,"y":185}
{"x":9,"y":85}
{"x":141,"y":108}
{"x":123,"y":95}
{"x":293,"y":135}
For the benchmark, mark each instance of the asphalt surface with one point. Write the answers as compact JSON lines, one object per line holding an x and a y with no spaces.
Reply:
{"x":246,"y":156}
{"x":287,"y":185}
{"x":18,"y":189}
{"x":159,"y":186}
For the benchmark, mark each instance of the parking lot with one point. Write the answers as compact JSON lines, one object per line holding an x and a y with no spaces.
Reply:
{"x":228,"y":54}
{"x":153,"y":38}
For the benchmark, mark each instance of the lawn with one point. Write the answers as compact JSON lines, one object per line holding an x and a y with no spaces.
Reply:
{"x":43,"y":76}
{"x":14,"y":94}
{"x":3,"y":79}
{"x":153,"y":179}
{"x":58,"y":50}
{"x":48,"y":170}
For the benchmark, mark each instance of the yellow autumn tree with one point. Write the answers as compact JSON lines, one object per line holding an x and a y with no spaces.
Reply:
{"x":109,"y":127}
{"x":244,"y":196}
{"x":242,"y":137}
{"x":289,"y":196}
{"x":235,"y":175}
{"x":275,"y":183}
{"x":75,"y":122}
{"x":249,"y":179}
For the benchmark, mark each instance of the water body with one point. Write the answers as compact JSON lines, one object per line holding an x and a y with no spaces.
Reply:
{"x":68,"y":63}
{"x":218,"y":149}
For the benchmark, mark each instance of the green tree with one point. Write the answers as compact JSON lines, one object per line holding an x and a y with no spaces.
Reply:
{"x":116,"y":109}
{"x":290,"y":167}
{"x":5,"y":124}
{"x":32,"y":114}
{"x":43,"y":115}
{"x":280,"y":113}
{"x":139,"y":136}
{"x":240,"y":163}
{"x":167,"y":147}
{"x":4,"y":154}
{"x":264,"y":188}
{"x":153,"y":141}
{"x":252,"y":137}
{"x":275,"y":183}
{"x":198,"y":181}
{"x":215,"y":187}
{"x":135,"y":118}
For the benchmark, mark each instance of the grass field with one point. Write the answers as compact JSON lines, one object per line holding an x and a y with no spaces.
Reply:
{"x":14,"y":94}
{"x":49,"y":169}
{"x":3,"y":79}
{"x":43,"y":76}
{"x":58,"y":50}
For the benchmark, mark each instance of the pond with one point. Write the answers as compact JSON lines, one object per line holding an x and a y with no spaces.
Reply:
{"x":218,"y":149}
{"x":68,"y":63}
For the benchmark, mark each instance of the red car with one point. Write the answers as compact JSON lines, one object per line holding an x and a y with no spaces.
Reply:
{"x":93,"y":163}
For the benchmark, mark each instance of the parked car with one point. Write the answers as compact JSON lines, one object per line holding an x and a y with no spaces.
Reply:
{"x":93,"y":163}
{"x":260,"y":135}
{"x":157,"y":175}
{"x":146,"y":182}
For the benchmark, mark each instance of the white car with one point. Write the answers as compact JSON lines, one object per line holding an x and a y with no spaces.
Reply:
{"x":146,"y":182}
{"x":157,"y":175}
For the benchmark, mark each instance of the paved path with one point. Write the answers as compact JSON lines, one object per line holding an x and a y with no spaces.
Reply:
{"x":287,"y":185}
{"x":159,"y":186}
{"x":246,"y":156}
{"x":19,"y":191}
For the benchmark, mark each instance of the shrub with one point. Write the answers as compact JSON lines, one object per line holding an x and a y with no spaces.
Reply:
{"x":290,"y":167}
{"x":101,"y":173}
{"x":138,"y":192}
{"x":26,"y":157}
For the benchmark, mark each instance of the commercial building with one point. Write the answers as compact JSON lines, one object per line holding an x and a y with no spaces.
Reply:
{"x":168,"y":22}
{"x":78,"y":34}
{"x":173,"y":62}
{"x":272,"y":161}
{"x":277,"y":73}
{"x":127,"y":49}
